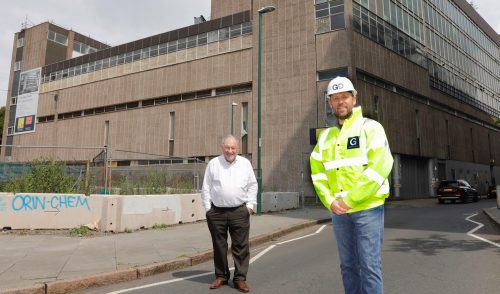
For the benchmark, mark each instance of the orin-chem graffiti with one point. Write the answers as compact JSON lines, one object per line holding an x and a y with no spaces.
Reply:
{"x":27,"y":202}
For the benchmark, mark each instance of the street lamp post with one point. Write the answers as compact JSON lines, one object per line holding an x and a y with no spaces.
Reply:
{"x":259,"y":93}
{"x":232,"y":116}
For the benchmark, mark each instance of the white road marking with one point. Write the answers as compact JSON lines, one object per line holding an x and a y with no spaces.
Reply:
{"x":211,"y":273}
{"x":162,"y":283}
{"x":291,"y":240}
{"x":480,"y":225}
{"x":261,"y":253}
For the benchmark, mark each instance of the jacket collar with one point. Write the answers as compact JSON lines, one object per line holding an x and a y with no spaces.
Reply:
{"x":357,"y":113}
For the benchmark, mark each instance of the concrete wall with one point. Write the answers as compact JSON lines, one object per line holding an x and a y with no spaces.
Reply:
{"x":275,"y":201}
{"x":114,"y":213}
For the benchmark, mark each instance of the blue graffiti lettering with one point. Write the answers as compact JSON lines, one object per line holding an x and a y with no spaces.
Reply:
{"x":36,"y":202}
{"x":81,"y":201}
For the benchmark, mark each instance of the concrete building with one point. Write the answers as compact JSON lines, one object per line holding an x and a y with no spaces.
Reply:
{"x":428,"y":70}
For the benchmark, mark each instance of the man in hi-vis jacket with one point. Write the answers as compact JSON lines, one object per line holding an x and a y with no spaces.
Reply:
{"x":350,"y":165}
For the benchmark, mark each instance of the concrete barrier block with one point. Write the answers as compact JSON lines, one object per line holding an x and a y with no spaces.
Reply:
{"x":144,"y":211}
{"x":111,"y":212}
{"x":274,"y":201}
{"x":47,"y":211}
{"x":190,"y":207}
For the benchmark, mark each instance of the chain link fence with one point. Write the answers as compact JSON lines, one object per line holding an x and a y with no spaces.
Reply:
{"x":141,"y":177}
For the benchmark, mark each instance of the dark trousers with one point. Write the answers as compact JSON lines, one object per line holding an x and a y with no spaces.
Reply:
{"x":237,"y":221}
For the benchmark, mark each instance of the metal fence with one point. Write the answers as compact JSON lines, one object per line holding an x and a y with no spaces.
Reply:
{"x":169,"y":176}
{"x":176,"y":178}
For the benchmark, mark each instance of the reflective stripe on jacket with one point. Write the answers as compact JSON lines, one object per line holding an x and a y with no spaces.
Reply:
{"x":352,"y":163}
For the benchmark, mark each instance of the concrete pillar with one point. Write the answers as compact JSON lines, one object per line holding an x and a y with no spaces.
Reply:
{"x":432,"y":175}
{"x":396,"y":175}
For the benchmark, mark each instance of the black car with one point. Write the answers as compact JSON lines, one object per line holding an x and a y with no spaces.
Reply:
{"x":492,"y":192}
{"x":456,"y":190}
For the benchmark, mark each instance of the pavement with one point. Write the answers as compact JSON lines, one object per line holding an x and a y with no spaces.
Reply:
{"x":53,"y":263}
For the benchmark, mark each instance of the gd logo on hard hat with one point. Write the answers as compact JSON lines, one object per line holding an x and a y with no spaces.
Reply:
{"x":337,"y":86}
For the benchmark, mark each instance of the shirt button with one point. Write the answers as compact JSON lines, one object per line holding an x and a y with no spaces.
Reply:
{"x":337,"y":168}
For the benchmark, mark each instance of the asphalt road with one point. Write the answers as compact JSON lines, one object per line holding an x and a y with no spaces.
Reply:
{"x":431,"y":249}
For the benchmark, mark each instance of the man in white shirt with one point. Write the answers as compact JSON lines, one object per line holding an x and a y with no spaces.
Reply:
{"x":229,"y":196}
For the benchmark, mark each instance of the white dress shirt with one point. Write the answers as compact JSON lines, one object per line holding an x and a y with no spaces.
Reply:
{"x":229,"y":184}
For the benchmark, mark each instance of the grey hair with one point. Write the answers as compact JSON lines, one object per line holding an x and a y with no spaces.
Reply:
{"x":230,"y":137}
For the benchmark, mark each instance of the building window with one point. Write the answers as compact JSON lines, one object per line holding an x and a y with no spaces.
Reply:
{"x":331,"y":74}
{"x":20,"y":42}
{"x":58,"y":38}
{"x":213,"y":36}
{"x":244,"y":128}
{"x":235,"y":31}
{"x":13,"y":100}
{"x":171,"y":134}
{"x":246,"y":28}
{"x":17,"y":65}
{"x":191,"y":42}
{"x":329,"y":15}
{"x":82,"y":48}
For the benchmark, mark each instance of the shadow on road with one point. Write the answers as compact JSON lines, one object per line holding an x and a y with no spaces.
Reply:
{"x":433,"y":244}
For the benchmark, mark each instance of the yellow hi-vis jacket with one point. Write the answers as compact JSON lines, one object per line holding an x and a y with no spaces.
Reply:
{"x":352,"y":163}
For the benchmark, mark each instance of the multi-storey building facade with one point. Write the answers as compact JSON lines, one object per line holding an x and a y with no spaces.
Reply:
{"x":428,"y":70}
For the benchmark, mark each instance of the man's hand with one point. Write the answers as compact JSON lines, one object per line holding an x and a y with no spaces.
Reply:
{"x":250,"y":211}
{"x":339,"y":207}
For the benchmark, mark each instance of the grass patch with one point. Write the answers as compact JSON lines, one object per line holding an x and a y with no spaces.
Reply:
{"x":80,"y":231}
{"x":159,"y":226}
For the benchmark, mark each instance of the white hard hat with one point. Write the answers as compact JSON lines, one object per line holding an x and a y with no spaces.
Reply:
{"x":340,"y":84}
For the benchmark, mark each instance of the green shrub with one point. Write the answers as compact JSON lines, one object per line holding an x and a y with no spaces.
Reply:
{"x":45,"y":176}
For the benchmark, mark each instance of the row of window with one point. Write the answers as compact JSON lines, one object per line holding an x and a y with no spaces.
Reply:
{"x":442,"y":54}
{"x":375,"y":28}
{"x":83,"y":48}
{"x":454,"y":92}
{"x":457,"y":16}
{"x":416,"y":97}
{"x":150,"y":102}
{"x":449,"y":31}
{"x":172,"y":46}
{"x":460,"y":64}
{"x":404,"y":18}
{"x":331,"y":74}
{"x":329,"y":15}
{"x":461,"y":89}
{"x":58,"y":38}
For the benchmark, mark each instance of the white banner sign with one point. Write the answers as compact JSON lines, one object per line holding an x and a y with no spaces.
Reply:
{"x":27,"y":101}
